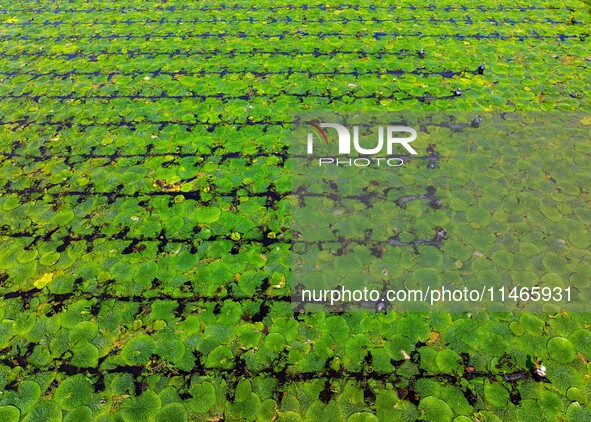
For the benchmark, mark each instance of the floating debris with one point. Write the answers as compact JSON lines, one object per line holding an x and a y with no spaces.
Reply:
{"x":381,"y":307}
{"x":541,"y":371}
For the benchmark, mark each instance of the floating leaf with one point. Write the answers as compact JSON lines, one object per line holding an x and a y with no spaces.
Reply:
{"x":82,"y":332}
{"x":562,"y":376}
{"x":45,"y":410}
{"x":142,"y":408}
{"x":25,"y":397}
{"x":532,"y":323}
{"x":434,"y":409}
{"x":85,"y":356}
{"x":289,"y":416}
{"x":230,"y":313}
{"x":456,"y":400}
{"x":274,"y":342}
{"x":49,"y":258}
{"x":73,"y":392}
{"x":495,"y":394}
{"x":204,"y":397}
{"x":561,"y":350}
{"x":25,"y":256}
{"x":220,"y":357}
{"x":138,"y":350}
{"x":362,"y":417}
{"x":172,"y":412}
{"x":355,"y":348}
{"x":207,"y":215}
{"x":80,"y":414}
{"x":581,"y":339}
{"x":578,"y":413}
{"x":287,"y":327}
{"x":551,"y":403}
{"x":553,"y":263}
{"x":246,"y":409}
{"x":576,"y":394}
{"x":529,"y":410}
{"x":40,"y":357}
{"x":516,"y":328}
{"x":10,"y":202}
{"x":42,"y":281}
{"x":9,"y":413}
{"x":448,"y":361}
{"x":319,"y":411}
{"x":347,"y":264}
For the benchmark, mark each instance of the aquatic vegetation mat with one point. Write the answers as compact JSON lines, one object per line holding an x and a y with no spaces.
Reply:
{"x":361,"y":242}
{"x":146,"y":218}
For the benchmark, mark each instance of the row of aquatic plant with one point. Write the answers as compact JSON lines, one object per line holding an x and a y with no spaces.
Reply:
{"x":145,"y":215}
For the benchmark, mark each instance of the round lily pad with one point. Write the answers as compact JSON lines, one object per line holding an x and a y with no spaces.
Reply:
{"x":274,"y":342}
{"x":204,"y":397}
{"x":356,"y":348}
{"x":25,"y":256}
{"x":46,"y":411}
{"x":84,"y":331}
{"x":561,"y":350}
{"x":362,"y":417}
{"x":576,"y":394}
{"x":172,"y":412}
{"x":63,"y":217}
{"x":528,"y":410}
{"x":80,"y":414}
{"x":448,"y":361}
{"x":503,"y":259}
{"x":579,"y":239}
{"x":138,"y":350}
{"x":170,"y":349}
{"x":532,"y":323}
{"x":40,"y":357}
{"x":289,"y":416}
{"x":230,"y":313}
{"x":220,"y":357}
{"x":73,"y":392}
{"x":516,"y":328}
{"x":86,"y":355}
{"x":287,"y":327}
{"x":553,"y":262}
{"x":578,"y":413}
{"x":434,"y":409}
{"x":319,"y":411}
{"x":496,"y":395}
{"x":581,"y":339}
{"x":528,"y":249}
{"x":348,"y":264}
{"x":426,"y":276}
{"x":11,"y":202}
{"x":142,"y":408}
{"x":207,"y":215}
{"x":28,"y":393}
{"x":49,"y":258}
{"x":458,"y":204}
{"x":551,"y":403}
{"x":9,"y":413}
{"x":427,"y":387}
{"x":563,"y":376}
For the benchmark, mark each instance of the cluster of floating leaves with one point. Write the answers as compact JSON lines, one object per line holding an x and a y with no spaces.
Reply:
{"x":145,"y":226}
